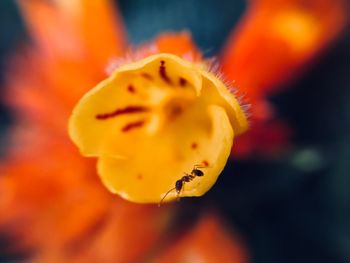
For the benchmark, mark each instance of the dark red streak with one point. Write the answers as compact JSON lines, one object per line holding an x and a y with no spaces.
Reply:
{"x":133,"y":125}
{"x":182,"y":82}
{"x":146,"y":76}
{"x":162,"y":72}
{"x":126,"y":110}
{"x":131,"y":89}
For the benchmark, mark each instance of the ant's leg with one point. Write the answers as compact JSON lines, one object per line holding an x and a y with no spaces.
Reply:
{"x":178,"y":196}
{"x":179,"y":186}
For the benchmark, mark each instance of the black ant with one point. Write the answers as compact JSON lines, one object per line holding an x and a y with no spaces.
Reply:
{"x":185,"y":179}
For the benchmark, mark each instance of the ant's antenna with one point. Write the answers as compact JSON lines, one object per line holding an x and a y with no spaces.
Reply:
{"x":161,"y":201}
{"x":196,"y":166}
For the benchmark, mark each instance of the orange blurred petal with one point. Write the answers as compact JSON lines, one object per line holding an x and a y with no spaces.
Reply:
{"x":52,"y":204}
{"x":208,"y":242}
{"x":276,"y":38}
{"x":80,"y":29}
{"x":51,"y":201}
{"x":180,"y":44}
{"x":265,"y":138}
{"x":273,"y":43}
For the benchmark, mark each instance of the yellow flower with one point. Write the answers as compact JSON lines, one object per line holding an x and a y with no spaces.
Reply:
{"x":152,"y":122}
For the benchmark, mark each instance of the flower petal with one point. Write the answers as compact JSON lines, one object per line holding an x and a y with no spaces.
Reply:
{"x":76,"y":29}
{"x":126,"y":100}
{"x":180,"y":44}
{"x":216,"y":92}
{"x":208,"y":240}
{"x":277,"y":38}
{"x":152,"y":122}
{"x":150,"y":174}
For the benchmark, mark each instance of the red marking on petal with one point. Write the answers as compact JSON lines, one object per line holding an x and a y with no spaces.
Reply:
{"x":162,"y":72}
{"x":194,"y":145}
{"x":205,"y":163}
{"x":126,"y":110}
{"x":131,"y":89}
{"x":173,"y":111}
{"x":146,"y":76}
{"x":182,"y":82}
{"x":133,"y":125}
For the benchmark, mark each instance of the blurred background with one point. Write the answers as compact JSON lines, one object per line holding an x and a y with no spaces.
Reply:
{"x":293,"y":206}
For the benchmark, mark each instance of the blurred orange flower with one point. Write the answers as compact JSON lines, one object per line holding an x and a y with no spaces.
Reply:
{"x":208,"y":241}
{"x":52,"y":204}
{"x":53,"y":207}
{"x":272,"y":45}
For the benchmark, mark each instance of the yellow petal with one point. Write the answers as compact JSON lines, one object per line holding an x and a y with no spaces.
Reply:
{"x":216,"y":92}
{"x":133,"y":95}
{"x":152,"y":122}
{"x":150,"y":174}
